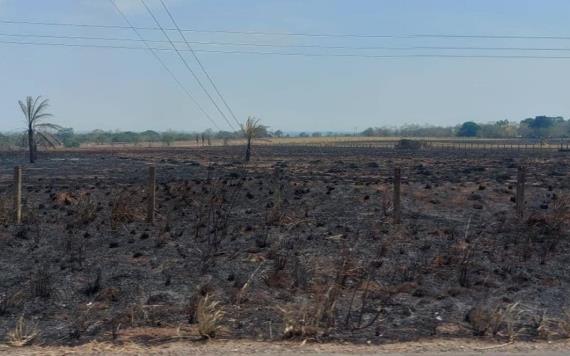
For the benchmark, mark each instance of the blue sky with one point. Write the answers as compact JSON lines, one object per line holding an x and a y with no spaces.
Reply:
{"x":127,"y":89}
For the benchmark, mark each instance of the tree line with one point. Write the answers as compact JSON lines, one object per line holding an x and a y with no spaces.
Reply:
{"x":539,"y":127}
{"x":38,"y":132}
{"x":67,"y":137}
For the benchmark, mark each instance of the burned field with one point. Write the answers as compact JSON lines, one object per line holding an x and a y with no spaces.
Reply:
{"x":298,"y":244}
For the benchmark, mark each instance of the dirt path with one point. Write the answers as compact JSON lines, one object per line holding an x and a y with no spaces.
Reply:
{"x":431,"y":347}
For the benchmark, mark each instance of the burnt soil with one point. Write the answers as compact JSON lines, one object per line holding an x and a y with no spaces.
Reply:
{"x":301,"y":238}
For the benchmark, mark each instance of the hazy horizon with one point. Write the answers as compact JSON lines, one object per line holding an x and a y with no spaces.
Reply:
{"x":122,"y":89}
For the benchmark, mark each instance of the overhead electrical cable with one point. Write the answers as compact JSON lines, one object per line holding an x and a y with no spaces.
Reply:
{"x":298,"y":34}
{"x":307,"y":46}
{"x":155,"y":19}
{"x":200,"y":64}
{"x":164,"y":66}
{"x":288,"y":54}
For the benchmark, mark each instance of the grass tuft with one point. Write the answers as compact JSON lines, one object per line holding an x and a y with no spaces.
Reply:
{"x":209,"y":316}
{"x":23,"y":334}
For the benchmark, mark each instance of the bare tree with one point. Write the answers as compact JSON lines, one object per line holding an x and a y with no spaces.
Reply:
{"x":251,"y":129}
{"x":38,"y":131}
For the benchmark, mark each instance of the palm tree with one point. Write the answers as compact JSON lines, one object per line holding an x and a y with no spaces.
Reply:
{"x":251,"y":129}
{"x":36,"y":129}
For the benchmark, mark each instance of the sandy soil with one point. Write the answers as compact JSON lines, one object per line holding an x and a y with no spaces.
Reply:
{"x":427,"y":348}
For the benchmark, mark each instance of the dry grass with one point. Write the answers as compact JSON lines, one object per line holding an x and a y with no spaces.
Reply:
{"x":555,"y":327}
{"x":275,"y":215}
{"x":10,"y":300}
{"x":123,"y":210}
{"x":86,"y":210}
{"x":497,"y":320}
{"x":565,"y":323}
{"x":23,"y":334}
{"x":310,"y":319}
{"x":299,"y":322}
{"x":560,"y":212}
{"x":386,"y":203}
{"x":512,"y":321}
{"x":4,"y":210}
{"x":510,"y":316}
{"x":209,"y":316}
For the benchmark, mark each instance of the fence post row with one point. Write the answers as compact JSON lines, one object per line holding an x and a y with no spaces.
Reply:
{"x":18,"y":194}
{"x":151,"y":194}
{"x":396,"y":199}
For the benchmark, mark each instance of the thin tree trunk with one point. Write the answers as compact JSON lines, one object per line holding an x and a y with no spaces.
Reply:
{"x":31,"y":145}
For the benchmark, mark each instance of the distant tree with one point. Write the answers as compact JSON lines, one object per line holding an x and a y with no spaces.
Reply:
{"x":224,"y":135}
{"x":167,"y":138}
{"x":317,"y":134}
{"x":125,"y":137}
{"x":150,"y":136}
{"x":263,"y":131}
{"x":209,"y":132}
{"x":499,"y":129}
{"x":542,"y":126}
{"x":278,"y":133}
{"x":251,"y":129}
{"x":99,"y":137}
{"x":542,"y":122}
{"x":68,"y":138}
{"x":4,"y":141}
{"x":303,"y":134}
{"x":527,"y":122}
{"x":38,"y":132}
{"x":469,"y":129}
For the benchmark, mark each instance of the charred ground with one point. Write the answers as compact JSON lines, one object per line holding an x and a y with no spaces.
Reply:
{"x":298,"y":243}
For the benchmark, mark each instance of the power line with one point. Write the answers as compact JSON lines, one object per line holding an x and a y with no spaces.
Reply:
{"x":289,"y":54}
{"x":299,"y":34}
{"x":200,"y":63}
{"x":157,"y":57}
{"x":186,"y":63}
{"x":309,"y":46}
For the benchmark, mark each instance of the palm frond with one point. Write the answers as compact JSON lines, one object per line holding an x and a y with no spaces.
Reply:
{"x":35,"y":110}
{"x":39,"y":133}
{"x":24,"y":108}
{"x":41,"y":116}
{"x":47,"y":125}
{"x":251,"y":127}
{"x":30,"y":105}
{"x":38,"y":110}
{"x":47,"y":139}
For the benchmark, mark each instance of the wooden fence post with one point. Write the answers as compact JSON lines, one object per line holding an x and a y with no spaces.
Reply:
{"x":151,"y":194}
{"x":397,"y":207}
{"x":18,"y":194}
{"x":521,"y":180}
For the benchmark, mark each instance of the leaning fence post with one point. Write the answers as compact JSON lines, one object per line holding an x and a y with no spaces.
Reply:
{"x":521,"y":179}
{"x":397,"y":181}
{"x":151,"y":194}
{"x":18,"y":194}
